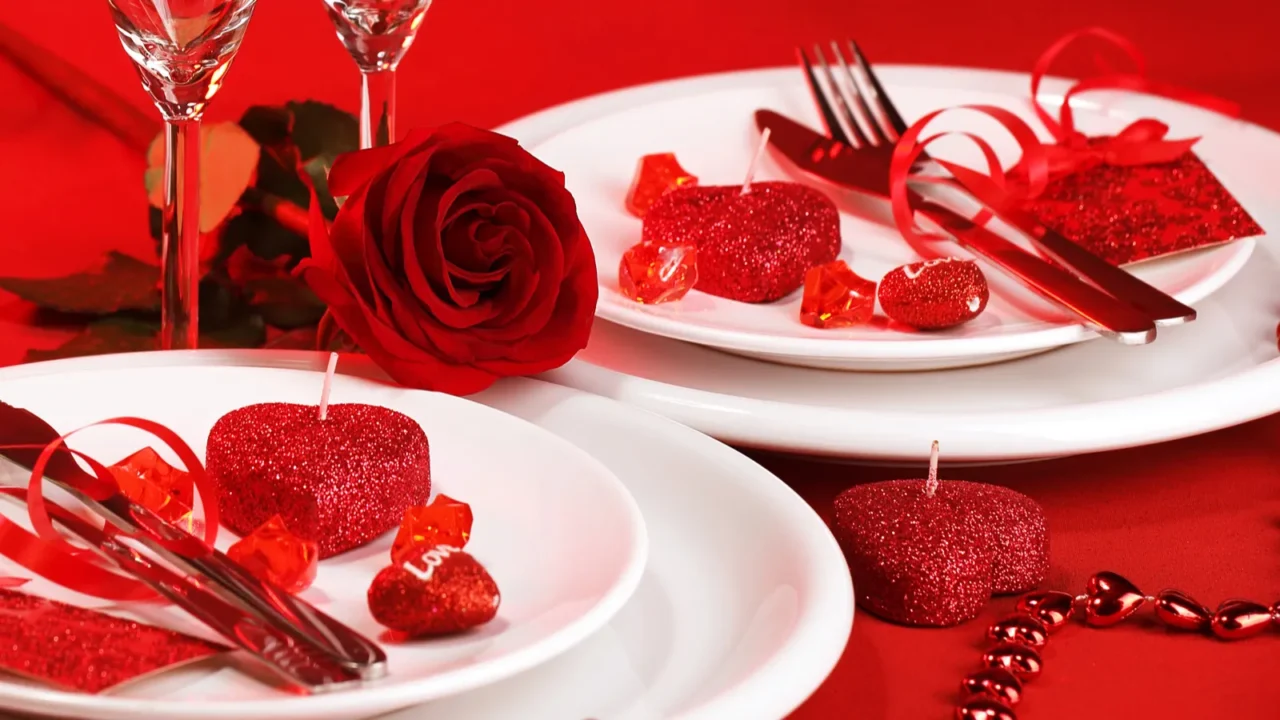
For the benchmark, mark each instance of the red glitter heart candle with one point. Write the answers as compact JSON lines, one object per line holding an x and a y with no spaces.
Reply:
{"x":930,"y":552}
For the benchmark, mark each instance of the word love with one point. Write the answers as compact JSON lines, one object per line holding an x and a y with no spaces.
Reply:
{"x":429,"y":560}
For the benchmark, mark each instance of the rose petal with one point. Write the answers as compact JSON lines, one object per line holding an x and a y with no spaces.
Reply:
{"x":352,"y":170}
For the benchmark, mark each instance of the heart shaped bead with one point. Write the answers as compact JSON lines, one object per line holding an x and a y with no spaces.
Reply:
{"x":996,"y":683}
{"x":934,"y":294}
{"x":1018,"y":659}
{"x":1179,"y":611}
{"x":754,"y":246}
{"x":339,"y":482}
{"x":984,"y":708}
{"x":434,"y":591}
{"x":1240,"y":619}
{"x":1111,"y":599}
{"x":1020,"y":629}
{"x":1051,"y":607}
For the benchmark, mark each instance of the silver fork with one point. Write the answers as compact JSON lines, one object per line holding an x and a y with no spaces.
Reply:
{"x":869,"y":119}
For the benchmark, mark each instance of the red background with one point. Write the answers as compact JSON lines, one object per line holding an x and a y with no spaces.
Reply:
{"x":1201,"y":514}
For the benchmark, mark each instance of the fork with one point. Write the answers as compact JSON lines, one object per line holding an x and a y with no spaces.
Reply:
{"x":870,"y":120}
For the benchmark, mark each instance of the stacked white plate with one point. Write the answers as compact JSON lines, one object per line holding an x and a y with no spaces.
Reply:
{"x":836,"y":392}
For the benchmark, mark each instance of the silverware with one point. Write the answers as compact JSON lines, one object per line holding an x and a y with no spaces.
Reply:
{"x":838,"y":162}
{"x":294,"y":616}
{"x":296,"y":662}
{"x":870,"y":105}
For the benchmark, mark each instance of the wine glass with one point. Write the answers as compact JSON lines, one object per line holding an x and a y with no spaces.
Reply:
{"x":377,"y":33}
{"x":181,"y":49}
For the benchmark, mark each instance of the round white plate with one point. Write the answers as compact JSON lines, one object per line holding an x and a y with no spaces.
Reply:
{"x":713,"y":134}
{"x":557,"y":530}
{"x":1216,"y":372}
{"x":745,"y":604}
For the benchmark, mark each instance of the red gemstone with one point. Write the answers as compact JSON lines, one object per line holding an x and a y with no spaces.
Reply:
{"x":656,"y":175}
{"x":275,"y":555}
{"x":145,"y":478}
{"x":1051,"y":607}
{"x":443,"y":522}
{"x":836,"y":297}
{"x":652,"y":274}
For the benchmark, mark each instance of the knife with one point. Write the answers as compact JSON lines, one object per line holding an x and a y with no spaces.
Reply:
{"x":296,"y":662}
{"x":830,"y":160}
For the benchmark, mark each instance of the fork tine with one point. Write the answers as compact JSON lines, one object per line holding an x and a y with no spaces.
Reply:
{"x":834,"y":130}
{"x":836,"y":96}
{"x":854,"y":99}
{"x":879,"y":98}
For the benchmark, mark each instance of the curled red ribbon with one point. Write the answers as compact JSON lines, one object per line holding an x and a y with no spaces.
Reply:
{"x":48,"y":554}
{"x":1141,"y":143}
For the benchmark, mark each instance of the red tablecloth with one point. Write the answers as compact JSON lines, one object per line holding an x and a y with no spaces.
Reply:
{"x":1202,"y":514}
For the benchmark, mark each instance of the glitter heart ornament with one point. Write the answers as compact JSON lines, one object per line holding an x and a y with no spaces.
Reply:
{"x":754,"y":246}
{"x":934,"y":294}
{"x":339,"y":482}
{"x":934,"y":558}
{"x":435,"y":591}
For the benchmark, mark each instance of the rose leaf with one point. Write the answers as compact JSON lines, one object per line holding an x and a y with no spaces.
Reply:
{"x":284,"y":302}
{"x":228,"y":159}
{"x":117,"y":334}
{"x":264,"y":237}
{"x":320,"y":129}
{"x":121,"y":283}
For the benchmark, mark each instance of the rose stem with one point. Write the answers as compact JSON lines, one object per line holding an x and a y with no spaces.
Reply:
{"x":328,"y":383}
{"x":755,"y":161}
{"x":931,"y":485}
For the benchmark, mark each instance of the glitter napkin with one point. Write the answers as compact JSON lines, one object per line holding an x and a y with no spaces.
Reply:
{"x":80,"y":649}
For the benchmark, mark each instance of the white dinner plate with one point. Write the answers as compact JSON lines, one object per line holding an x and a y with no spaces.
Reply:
{"x":1216,"y":372}
{"x":745,"y":604}
{"x":713,"y":134}
{"x":558,"y":531}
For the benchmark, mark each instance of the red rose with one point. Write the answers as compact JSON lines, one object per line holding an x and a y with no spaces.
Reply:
{"x":456,"y":259}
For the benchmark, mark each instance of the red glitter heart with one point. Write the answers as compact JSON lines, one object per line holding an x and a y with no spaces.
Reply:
{"x":339,"y":482}
{"x":934,"y":294}
{"x":435,"y":591}
{"x":752,"y":247}
{"x":918,"y":559}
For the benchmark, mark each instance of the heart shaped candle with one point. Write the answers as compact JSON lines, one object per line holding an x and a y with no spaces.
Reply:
{"x":339,"y":481}
{"x":754,"y":245}
{"x":930,"y":552}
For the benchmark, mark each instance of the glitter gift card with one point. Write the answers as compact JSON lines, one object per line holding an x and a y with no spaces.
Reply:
{"x":1130,"y":213}
{"x":75,"y":648}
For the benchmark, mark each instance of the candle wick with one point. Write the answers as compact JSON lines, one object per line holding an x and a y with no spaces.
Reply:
{"x":755,"y":161}
{"x":931,"y":485}
{"x":328,"y":383}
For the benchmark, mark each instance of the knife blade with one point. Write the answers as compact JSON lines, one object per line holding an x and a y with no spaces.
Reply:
{"x":297,"y":663}
{"x":820,"y":156}
{"x":299,"y":619}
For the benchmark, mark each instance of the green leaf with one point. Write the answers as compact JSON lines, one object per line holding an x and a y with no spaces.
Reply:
{"x":119,"y":334}
{"x":284,"y":302}
{"x":267,"y":125}
{"x":298,"y":339}
{"x":320,"y":129}
{"x":248,"y":331}
{"x":228,"y":160}
{"x":265,"y":237}
{"x":121,"y":283}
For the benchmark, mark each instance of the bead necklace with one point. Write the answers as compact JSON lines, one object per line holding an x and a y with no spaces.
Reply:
{"x":1108,"y":599}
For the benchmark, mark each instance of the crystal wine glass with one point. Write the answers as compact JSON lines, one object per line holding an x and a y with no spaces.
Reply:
{"x":182,"y":49}
{"x":377,"y":33}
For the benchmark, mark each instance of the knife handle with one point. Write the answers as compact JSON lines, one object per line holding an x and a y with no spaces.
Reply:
{"x":1101,"y":312}
{"x":293,"y":615}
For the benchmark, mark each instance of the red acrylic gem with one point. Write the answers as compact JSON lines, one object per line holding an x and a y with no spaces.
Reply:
{"x":655,"y":176}
{"x":444,"y":522}
{"x":145,"y":478}
{"x":274,"y":554}
{"x":652,"y":274}
{"x":836,"y":297}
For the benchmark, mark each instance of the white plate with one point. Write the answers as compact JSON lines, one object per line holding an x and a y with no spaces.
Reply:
{"x":742,"y":611}
{"x":557,"y":530}
{"x":1216,"y":372}
{"x":713,"y":134}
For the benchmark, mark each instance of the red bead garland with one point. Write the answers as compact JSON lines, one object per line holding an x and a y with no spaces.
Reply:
{"x":991,"y":693}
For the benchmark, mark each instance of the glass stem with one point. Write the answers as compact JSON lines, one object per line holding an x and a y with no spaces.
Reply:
{"x":378,"y":108}
{"x":180,"y":243}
